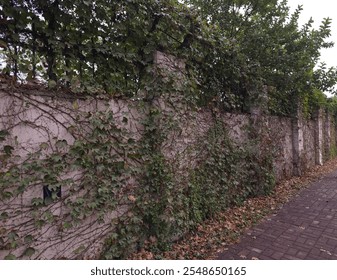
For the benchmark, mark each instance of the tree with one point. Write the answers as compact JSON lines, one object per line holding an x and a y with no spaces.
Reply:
{"x":102,"y":44}
{"x":233,"y":49}
{"x":268,"y":48}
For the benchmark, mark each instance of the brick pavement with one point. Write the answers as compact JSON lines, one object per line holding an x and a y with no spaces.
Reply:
{"x":304,"y":228}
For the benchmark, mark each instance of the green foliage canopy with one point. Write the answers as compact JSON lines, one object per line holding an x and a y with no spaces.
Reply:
{"x":233,"y":49}
{"x":268,"y":47}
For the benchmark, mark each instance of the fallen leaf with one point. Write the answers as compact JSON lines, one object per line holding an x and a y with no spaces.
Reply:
{"x":226,"y":228}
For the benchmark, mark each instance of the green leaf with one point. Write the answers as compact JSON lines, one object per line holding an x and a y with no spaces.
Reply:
{"x":28,"y":239}
{"x":60,"y":144}
{"x":8,"y":149}
{"x":10,"y":257}
{"x":75,"y":105}
{"x":3,"y":215}
{"x":44,"y":146}
{"x":87,"y":2}
{"x":56,"y":158}
{"x":3,"y":44}
{"x":37,"y":201}
{"x":39,"y":223}
{"x":67,"y":225}
{"x":29,"y":252}
{"x":3,"y":135}
{"x":12,"y":235}
{"x":7,"y":195}
{"x":29,"y":76}
{"x":51,"y":84}
{"x":14,"y":244}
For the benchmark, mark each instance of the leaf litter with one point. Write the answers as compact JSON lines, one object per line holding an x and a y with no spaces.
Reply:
{"x":215,"y":235}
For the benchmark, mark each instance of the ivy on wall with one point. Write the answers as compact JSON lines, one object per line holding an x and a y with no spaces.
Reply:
{"x":126,"y":184}
{"x":92,"y":173}
{"x":122,"y":184}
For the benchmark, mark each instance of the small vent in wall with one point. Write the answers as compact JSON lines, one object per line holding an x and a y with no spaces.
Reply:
{"x":50,"y":194}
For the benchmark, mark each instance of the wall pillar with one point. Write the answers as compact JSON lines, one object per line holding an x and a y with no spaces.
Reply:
{"x":327,"y":136}
{"x":319,"y":137}
{"x":298,"y":143}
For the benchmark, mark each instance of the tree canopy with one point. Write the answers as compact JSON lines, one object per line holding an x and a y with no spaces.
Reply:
{"x":233,"y":49}
{"x":273,"y":50}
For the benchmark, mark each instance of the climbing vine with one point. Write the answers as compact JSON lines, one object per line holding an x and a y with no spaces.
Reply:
{"x":85,"y":180}
{"x":122,"y":178}
{"x":132,"y":175}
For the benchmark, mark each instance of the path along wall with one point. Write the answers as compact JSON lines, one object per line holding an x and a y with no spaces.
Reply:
{"x":35,"y":125}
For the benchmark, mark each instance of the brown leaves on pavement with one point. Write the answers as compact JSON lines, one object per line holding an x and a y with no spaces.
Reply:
{"x":213,"y":236}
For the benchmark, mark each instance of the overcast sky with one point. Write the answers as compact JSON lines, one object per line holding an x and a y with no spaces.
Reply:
{"x":318,"y":10}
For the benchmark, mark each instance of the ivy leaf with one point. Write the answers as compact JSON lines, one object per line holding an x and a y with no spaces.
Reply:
{"x":28,"y":239}
{"x":29,"y":252}
{"x":3,"y":135}
{"x":67,"y":225}
{"x":3,"y":215}
{"x":12,"y":235}
{"x":44,"y":146}
{"x":7,"y":195}
{"x":10,"y":257}
{"x":37,"y":201}
{"x":8,"y":149}
{"x":51,"y":84}
{"x":60,"y":144}
{"x":75,"y":105}
{"x":39,"y":223}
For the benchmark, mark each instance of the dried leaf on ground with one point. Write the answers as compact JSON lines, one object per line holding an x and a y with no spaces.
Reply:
{"x":213,"y":236}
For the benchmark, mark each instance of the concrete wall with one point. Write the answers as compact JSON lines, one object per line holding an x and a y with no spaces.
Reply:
{"x":283,"y":161}
{"x":37,"y":118}
{"x":308,"y":159}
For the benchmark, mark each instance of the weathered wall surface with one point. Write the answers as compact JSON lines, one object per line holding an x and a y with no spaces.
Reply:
{"x":283,"y":161}
{"x":38,"y":121}
{"x":308,"y":159}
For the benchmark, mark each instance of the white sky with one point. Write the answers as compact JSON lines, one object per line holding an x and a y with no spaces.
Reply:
{"x":318,"y":10}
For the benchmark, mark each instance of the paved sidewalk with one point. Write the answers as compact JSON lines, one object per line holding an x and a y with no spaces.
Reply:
{"x":305,"y":228}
